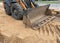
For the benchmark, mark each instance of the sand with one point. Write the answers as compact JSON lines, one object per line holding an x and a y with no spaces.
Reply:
{"x":14,"y":31}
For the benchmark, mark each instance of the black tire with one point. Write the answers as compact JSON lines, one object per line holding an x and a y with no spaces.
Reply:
{"x":7,"y":9}
{"x":17,"y":11}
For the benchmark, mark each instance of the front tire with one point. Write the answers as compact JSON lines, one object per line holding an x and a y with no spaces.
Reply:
{"x":17,"y":11}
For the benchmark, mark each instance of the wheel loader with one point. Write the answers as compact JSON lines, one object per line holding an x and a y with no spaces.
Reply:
{"x":33,"y":16}
{"x":16,"y":8}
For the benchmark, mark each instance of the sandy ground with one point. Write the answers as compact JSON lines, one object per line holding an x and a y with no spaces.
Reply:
{"x":14,"y":31}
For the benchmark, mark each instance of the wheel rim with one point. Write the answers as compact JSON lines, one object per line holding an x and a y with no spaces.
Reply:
{"x":15,"y":12}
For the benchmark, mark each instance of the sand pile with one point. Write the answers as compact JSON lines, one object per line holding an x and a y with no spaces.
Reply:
{"x":14,"y":31}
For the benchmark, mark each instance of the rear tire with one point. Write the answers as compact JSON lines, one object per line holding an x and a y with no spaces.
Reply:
{"x":17,"y":11}
{"x":7,"y":9}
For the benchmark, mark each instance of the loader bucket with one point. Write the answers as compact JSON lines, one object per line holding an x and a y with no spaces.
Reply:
{"x":37,"y":17}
